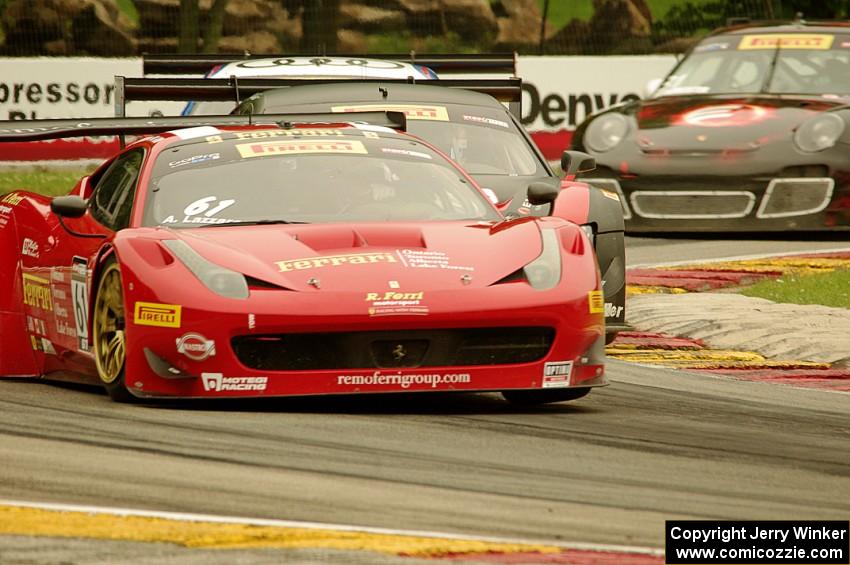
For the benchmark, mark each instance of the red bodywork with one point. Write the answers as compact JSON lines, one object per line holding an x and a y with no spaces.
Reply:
{"x":333,"y":279}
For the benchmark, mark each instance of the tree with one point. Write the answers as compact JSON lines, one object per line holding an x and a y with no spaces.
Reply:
{"x":320,"y":24}
{"x":190,"y":29}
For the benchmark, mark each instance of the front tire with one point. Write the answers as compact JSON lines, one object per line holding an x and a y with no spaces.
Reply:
{"x":108,"y":332}
{"x":533,"y":397}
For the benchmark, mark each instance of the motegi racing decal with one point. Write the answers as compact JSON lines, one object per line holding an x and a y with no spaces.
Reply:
{"x":216,"y":382}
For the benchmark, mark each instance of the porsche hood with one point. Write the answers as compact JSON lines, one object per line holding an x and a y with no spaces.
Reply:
{"x":344,"y":256}
{"x":678,"y":124}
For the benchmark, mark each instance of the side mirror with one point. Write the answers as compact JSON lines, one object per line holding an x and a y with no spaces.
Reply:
{"x":575,"y":162}
{"x":542,"y":193}
{"x":69,"y":206}
{"x":83,"y":187}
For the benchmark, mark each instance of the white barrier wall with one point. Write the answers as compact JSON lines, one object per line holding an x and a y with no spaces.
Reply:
{"x":68,"y":87}
{"x":558,"y":91}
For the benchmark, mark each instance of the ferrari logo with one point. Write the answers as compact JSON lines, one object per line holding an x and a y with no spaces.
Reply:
{"x":399,"y":353}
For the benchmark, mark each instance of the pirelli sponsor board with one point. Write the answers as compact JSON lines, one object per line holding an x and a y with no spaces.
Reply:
{"x":37,"y":292}
{"x":155,"y":314}
{"x":301,"y":146}
{"x":335,"y":261}
{"x":786,"y":41}
{"x":411,"y":111}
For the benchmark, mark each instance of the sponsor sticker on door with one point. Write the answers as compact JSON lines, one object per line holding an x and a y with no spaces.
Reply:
{"x":557,"y":374}
{"x":155,"y":314}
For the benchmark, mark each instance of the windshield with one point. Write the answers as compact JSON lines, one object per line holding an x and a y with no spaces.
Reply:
{"x":479,"y":150}
{"x":484,"y":141}
{"x":311,"y":175}
{"x":770,"y":63}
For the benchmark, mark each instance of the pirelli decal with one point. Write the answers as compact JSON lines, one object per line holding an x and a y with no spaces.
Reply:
{"x":335,"y":261}
{"x":595,"y":302}
{"x":12,"y":199}
{"x":299,"y":132}
{"x":37,"y":292}
{"x":265,"y":148}
{"x":155,"y":314}
{"x":786,"y":41}
{"x":412,"y":111}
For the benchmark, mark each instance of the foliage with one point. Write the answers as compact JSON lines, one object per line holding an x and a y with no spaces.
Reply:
{"x":404,"y":41}
{"x":827,"y":289}
{"x":126,"y":7}
{"x":560,"y":12}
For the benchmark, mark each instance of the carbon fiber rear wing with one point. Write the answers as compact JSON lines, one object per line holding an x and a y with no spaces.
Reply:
{"x":223,"y":89}
{"x":37,"y":130}
{"x":177,"y":64}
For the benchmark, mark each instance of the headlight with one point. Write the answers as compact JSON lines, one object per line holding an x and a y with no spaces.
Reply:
{"x":221,"y":281}
{"x":544,"y":272}
{"x":606,"y":132}
{"x":819,"y":133}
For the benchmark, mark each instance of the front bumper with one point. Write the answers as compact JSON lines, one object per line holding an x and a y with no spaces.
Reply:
{"x":714,"y":203}
{"x":207,"y":364}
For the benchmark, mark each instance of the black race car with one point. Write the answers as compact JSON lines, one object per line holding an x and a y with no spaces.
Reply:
{"x":460,"y":117}
{"x":747,"y":133}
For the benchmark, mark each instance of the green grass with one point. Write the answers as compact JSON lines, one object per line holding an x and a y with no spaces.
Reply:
{"x":53,"y":181}
{"x":827,"y":289}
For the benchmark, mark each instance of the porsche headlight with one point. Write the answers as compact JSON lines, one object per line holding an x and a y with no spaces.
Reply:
{"x":218,"y":279}
{"x":819,"y":133}
{"x":544,"y":272}
{"x":606,"y":132}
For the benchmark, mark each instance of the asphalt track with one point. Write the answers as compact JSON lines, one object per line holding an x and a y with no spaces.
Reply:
{"x":610,"y":468}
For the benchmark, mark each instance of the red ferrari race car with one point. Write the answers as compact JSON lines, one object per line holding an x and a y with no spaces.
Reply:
{"x":285,"y":255}
{"x":474,"y":121}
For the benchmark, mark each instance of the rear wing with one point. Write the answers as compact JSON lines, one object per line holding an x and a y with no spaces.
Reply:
{"x":177,"y":64}
{"x":37,"y":130}
{"x":235,"y":89}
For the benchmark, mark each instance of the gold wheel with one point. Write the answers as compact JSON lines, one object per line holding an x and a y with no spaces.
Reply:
{"x":108,"y":325}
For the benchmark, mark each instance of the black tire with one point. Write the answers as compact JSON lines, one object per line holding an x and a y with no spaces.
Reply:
{"x":532,"y":397}
{"x":108,"y":332}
